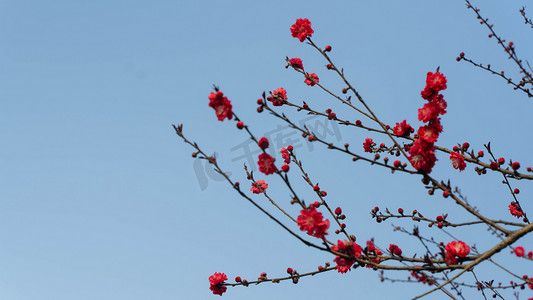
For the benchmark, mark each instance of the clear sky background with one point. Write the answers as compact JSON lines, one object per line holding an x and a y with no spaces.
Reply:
{"x":99,"y":199}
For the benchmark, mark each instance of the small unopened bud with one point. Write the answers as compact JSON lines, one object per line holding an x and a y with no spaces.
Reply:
{"x":295,"y":280}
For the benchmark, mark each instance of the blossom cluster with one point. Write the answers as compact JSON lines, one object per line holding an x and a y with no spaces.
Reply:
{"x":313,"y":222}
{"x":221,"y":104}
{"x":311,"y":79}
{"x":422,"y":151}
{"x":458,"y":162}
{"x":395,"y":250}
{"x":302,"y":29}
{"x":296,"y":62}
{"x":266,"y":161}
{"x":349,"y":248}
{"x":368,"y":144}
{"x":259,"y":186}
{"x":286,"y":158}
{"x":278,"y":97}
{"x":421,"y":156}
{"x":371,"y":249}
{"x":520,"y":252}
{"x":515,"y":210}
{"x":216,"y":283}
{"x":403,"y":129}
{"x":456,"y":249}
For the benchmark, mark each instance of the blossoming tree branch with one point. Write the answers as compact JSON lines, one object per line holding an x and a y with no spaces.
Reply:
{"x":409,"y":151}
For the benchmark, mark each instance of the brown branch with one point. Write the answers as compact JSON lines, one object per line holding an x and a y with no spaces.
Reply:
{"x":213,"y":161}
{"x":527,"y":78}
{"x":511,"y":238}
{"x":331,"y":146}
{"x":277,"y":280}
{"x":509,"y":186}
{"x":526,"y":19}
{"x":323,"y":201}
{"x":517,"y":86}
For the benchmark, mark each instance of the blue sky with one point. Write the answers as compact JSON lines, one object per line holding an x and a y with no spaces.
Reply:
{"x":100,"y":200}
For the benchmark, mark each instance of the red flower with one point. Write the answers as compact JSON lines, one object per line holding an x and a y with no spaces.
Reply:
{"x":313,"y":222}
{"x":519,"y":251}
{"x":367,"y":145}
{"x":259,"y":186}
{"x":458,"y":161}
{"x":266,"y":164}
{"x":296,"y":62}
{"x":263,"y":143}
{"x":428,"y":133}
{"x":436,"y":81}
{"x":285,"y":155}
{"x":402,"y":129}
{"x":431,"y":110}
{"x":428,"y":93}
{"x":221,"y":105}
{"x":279,"y":96}
{"x":428,"y":112}
{"x":422,"y":155}
{"x":515,"y":210}
{"x":302,"y":29}
{"x":395,"y":250}
{"x":216,"y":280}
{"x":456,"y":248}
{"x":311,"y":79}
{"x":348,"y":248}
